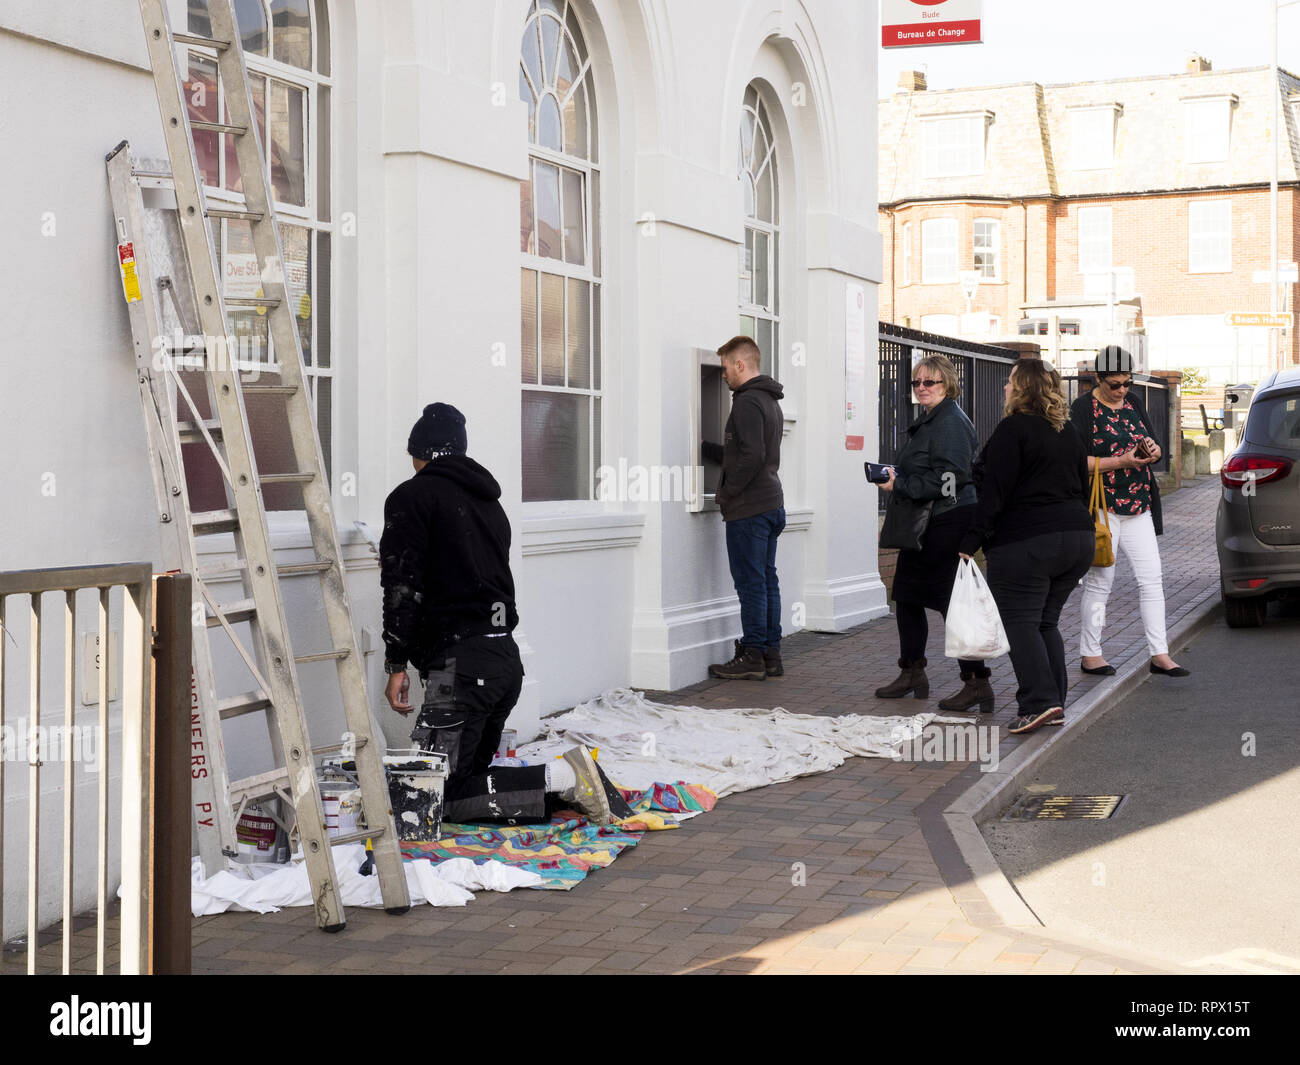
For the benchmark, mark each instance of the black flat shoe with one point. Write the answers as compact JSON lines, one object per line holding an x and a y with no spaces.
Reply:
{"x":1101,"y":671}
{"x":1177,"y":671}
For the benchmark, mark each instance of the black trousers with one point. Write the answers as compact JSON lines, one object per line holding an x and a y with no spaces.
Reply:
{"x":1030,"y":581}
{"x":466,"y":705}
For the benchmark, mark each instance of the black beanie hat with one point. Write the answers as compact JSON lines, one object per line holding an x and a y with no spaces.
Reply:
{"x":1113,"y":359}
{"x":440,"y":431}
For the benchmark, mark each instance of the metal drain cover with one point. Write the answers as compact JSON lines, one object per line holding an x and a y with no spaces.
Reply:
{"x":1064,"y":807}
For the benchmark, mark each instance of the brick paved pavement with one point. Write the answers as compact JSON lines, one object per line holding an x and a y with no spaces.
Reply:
{"x":826,"y":874}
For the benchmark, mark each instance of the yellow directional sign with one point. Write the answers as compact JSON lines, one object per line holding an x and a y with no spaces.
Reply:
{"x":1281,"y":320}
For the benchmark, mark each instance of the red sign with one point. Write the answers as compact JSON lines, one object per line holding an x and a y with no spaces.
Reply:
{"x":912,"y":23}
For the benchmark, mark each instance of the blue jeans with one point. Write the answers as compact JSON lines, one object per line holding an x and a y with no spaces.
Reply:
{"x":751,"y":552}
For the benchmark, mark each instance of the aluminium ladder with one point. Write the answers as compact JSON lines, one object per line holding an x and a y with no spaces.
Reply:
{"x":188,"y":250}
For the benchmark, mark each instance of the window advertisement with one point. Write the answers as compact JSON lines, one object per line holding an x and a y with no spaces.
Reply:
{"x":912,"y":23}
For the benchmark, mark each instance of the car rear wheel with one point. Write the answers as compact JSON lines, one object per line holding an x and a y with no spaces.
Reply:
{"x":1245,"y":613}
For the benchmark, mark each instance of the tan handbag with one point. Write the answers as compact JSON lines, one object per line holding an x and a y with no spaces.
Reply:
{"x":1104,"y":555}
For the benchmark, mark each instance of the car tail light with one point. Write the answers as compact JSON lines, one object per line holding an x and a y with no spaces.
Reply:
{"x":1249,"y":584}
{"x":1260,"y":469}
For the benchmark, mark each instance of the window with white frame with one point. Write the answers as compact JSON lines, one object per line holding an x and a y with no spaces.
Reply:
{"x":939,"y":251}
{"x":286,"y":47}
{"x":1092,"y":138}
{"x":953,"y":146}
{"x":942,"y":324}
{"x":759,"y":310}
{"x":1209,"y":129}
{"x":987,"y":245}
{"x":559,"y":238}
{"x":1094,"y":239}
{"x":907,"y":253}
{"x":1209,"y":236}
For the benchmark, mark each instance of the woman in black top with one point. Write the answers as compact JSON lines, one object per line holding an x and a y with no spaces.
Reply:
{"x":1037,"y":535}
{"x":934,"y":465}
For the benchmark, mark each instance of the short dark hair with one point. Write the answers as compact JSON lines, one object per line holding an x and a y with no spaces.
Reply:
{"x":742,"y":347}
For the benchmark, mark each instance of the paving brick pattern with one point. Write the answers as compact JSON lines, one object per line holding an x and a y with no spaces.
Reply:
{"x":825,"y":874}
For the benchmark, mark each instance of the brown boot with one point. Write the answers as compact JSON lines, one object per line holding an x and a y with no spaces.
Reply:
{"x":747,"y":665}
{"x":912,"y":679}
{"x":975,"y":689}
{"x":772,"y":662}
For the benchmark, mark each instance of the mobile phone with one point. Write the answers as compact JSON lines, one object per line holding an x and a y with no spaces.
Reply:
{"x":876,"y":473}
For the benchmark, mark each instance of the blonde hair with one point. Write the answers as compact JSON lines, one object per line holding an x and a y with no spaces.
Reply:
{"x":1036,"y":389}
{"x":942,"y":365}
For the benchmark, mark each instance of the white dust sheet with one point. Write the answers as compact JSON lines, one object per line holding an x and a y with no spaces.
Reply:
{"x":640,"y":742}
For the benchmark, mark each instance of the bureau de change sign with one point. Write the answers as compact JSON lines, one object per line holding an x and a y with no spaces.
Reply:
{"x":908,"y":23}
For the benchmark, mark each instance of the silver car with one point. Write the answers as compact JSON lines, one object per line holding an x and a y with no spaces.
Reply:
{"x":1257,"y":529}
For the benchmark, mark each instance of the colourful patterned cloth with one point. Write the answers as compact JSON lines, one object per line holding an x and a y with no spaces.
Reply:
{"x":1128,"y":491}
{"x":567,"y":849}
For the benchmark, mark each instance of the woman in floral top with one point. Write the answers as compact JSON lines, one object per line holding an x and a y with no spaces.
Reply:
{"x":1115,"y":427}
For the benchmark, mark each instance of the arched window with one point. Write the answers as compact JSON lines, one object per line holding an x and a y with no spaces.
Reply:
{"x":559,"y":238}
{"x":759,"y":255}
{"x":286,"y":50}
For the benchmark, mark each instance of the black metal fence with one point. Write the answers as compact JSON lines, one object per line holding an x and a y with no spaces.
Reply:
{"x":982,"y":371}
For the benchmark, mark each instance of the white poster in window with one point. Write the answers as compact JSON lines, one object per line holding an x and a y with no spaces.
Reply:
{"x":855,"y":367}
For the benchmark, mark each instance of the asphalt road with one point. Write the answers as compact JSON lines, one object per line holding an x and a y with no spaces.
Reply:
{"x":1201,"y":864}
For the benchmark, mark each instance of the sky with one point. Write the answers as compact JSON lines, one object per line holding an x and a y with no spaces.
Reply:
{"x":1055,"y":41}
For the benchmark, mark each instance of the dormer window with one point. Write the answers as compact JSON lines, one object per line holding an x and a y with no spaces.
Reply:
{"x":953,"y":145}
{"x":1092,"y":136}
{"x":1208,"y":128}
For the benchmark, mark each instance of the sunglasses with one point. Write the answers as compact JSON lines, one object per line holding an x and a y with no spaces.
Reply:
{"x":1119,"y":384}
{"x":925,"y":382}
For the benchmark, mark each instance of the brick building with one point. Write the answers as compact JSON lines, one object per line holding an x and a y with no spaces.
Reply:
{"x":1131,"y":205}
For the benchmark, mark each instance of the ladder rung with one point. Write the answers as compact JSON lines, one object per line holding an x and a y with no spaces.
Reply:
{"x":323,"y":656}
{"x":220,"y":127}
{"x":247,"y":703}
{"x":261,"y":786}
{"x":253,"y":301}
{"x":302,"y":477}
{"x":200,"y":42}
{"x":190,"y":433}
{"x":269,"y":390}
{"x":357,"y":837}
{"x":293,"y":569}
{"x":208,"y":522}
{"x":334,"y":748}
{"x":230,"y":212}
{"x":234,"y":613}
{"x":224,"y":568}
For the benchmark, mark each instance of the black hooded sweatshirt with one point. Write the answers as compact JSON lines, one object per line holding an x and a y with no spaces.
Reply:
{"x":445,"y":562}
{"x":751,"y":451}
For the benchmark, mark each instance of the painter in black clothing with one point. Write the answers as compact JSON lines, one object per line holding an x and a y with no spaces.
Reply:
{"x":449,"y":610}
{"x":1032,"y":520}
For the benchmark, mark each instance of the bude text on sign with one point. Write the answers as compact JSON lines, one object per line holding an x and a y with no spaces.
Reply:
{"x":909,"y":23}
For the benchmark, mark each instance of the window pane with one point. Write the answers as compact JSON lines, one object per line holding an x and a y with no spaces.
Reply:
{"x":201,"y":102}
{"x":322,"y":37}
{"x":250,"y":17}
{"x":198,"y":22}
{"x":595,"y":337}
{"x":571,"y":20}
{"x":530,"y":52}
{"x":764,"y":206}
{"x":578,"y":345}
{"x":575,"y":123}
{"x":565,"y":68}
{"x":272,"y":445}
{"x":556,"y":446}
{"x":325,"y":422}
{"x":323,"y":153}
{"x":939,"y":251}
{"x":291,"y":32}
{"x":746,"y":251}
{"x":595,"y":222}
{"x":241,"y":278}
{"x":526,"y":94}
{"x":748,"y":183}
{"x":552,"y":329}
{"x":764,"y":341}
{"x":747,"y":121}
{"x":528,"y":332}
{"x":297,"y":277}
{"x":287,"y":134}
{"x":776,"y":191}
{"x":595,"y":432}
{"x":574,"y":251}
{"x":761,"y":295}
{"x":746,"y":326}
{"x":322,"y":304}
{"x":550,"y":44}
{"x":526,"y":241}
{"x":233,"y":181}
{"x":546,"y":189}
{"x":549,"y":129}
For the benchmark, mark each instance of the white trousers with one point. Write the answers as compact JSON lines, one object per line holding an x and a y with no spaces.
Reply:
{"x":1135,"y":535}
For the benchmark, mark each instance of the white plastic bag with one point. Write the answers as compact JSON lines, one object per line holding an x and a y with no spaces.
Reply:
{"x":973,"y":628}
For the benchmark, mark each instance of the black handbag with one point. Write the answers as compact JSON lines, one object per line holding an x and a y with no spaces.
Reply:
{"x":905,"y":523}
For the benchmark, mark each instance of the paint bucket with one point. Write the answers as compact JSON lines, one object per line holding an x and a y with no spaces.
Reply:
{"x":257,"y":837}
{"x":342,"y":801}
{"x":509,"y":739}
{"x":415,"y":785}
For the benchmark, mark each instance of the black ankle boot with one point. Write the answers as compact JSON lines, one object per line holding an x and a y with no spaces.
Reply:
{"x":975,"y":689}
{"x":911,"y":679}
{"x":772,"y":661}
{"x":747,"y":665}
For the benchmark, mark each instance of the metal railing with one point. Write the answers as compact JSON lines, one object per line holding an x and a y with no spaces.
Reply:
{"x":135,"y":756}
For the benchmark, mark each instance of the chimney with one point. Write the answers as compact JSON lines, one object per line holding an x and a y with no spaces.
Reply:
{"x":1197,"y":64}
{"x":911,"y":81}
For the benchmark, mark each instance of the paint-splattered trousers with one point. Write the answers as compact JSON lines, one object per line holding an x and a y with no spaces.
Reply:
{"x":466,"y":705}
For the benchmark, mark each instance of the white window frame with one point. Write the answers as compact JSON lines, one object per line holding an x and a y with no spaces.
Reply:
{"x":995,"y":247}
{"x":1209,"y":251}
{"x":907,"y":253}
{"x":1093,"y":149}
{"x":756,"y":113}
{"x":1198,"y":149}
{"x":1088,"y":264}
{"x":931,"y":274}
{"x":943,"y":153}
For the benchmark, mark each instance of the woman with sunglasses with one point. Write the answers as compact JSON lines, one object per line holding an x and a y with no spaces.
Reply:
{"x":1118,"y":433}
{"x":934,"y":464}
